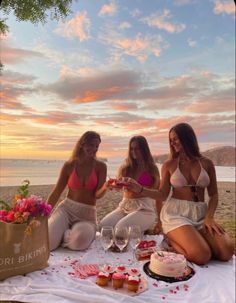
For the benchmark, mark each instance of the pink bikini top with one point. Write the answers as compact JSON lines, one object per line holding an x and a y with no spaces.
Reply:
{"x":145,"y":179}
{"x":177,"y":179}
{"x":74,"y":183}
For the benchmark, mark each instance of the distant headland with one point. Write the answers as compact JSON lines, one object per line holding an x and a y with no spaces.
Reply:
{"x":220,"y":156}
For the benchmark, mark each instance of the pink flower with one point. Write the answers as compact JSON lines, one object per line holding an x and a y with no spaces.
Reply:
{"x":26,"y":209}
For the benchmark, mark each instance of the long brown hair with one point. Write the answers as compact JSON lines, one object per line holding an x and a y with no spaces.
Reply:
{"x":130,"y":165}
{"x":85,"y":138}
{"x":188,"y":140}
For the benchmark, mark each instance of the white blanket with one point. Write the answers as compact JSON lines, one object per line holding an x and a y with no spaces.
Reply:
{"x":214,"y":283}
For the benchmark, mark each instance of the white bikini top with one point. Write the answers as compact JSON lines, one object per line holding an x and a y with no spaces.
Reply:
{"x":177,"y":179}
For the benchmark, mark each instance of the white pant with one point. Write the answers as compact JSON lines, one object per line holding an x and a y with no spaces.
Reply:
{"x":139,"y":211}
{"x":73,"y":225}
{"x":176,"y":213}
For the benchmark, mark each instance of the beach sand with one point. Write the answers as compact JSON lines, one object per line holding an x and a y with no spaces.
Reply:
{"x":225,"y":213}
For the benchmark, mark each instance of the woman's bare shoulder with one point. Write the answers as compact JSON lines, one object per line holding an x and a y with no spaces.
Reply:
{"x":169,"y":163}
{"x":69,"y":164}
{"x":100,"y":164}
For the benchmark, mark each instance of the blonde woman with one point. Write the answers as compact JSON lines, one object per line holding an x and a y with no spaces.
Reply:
{"x":73,"y":222}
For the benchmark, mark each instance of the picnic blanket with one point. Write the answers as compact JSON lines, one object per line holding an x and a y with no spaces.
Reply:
{"x":59,"y":283}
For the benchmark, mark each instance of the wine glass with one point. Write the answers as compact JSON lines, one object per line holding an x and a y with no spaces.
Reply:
{"x":135,"y":236}
{"x":107,"y":237}
{"x":121,"y":237}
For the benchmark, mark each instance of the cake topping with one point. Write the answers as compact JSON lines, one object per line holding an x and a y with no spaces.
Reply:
{"x":103,"y":274}
{"x":134,"y":279}
{"x":133,"y":272}
{"x":107,"y":268}
{"x":118,"y":276}
{"x":121,"y":268}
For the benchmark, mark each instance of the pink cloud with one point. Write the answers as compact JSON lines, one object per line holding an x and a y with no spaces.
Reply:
{"x":106,"y":86}
{"x":140,"y":46}
{"x":160,"y":20}
{"x":108,"y":9}
{"x":78,"y":27}
{"x":10,"y":55}
{"x":227,"y":7}
{"x":219,"y":101}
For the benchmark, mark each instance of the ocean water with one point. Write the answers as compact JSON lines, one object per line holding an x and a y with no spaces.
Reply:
{"x":43,"y":172}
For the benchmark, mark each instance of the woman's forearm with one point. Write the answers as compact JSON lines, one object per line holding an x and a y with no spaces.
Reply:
{"x":101,"y":191}
{"x":212,"y":205}
{"x":153,"y":194}
{"x":53,"y":197}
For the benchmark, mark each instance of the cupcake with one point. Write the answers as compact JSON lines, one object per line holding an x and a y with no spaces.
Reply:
{"x":121,"y":269}
{"x":133,"y":283}
{"x":102,"y":278}
{"x":133,"y":272}
{"x":118,"y":280}
{"x":109,"y":269}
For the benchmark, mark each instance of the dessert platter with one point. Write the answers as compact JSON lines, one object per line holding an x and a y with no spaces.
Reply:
{"x":121,"y":279}
{"x":168,"y":266}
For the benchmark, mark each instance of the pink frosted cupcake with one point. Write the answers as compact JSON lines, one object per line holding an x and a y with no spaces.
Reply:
{"x":133,"y":272}
{"x":102,"y":278}
{"x":121,"y":269}
{"x":109,"y":269}
{"x":133,"y":283}
{"x":118,"y":280}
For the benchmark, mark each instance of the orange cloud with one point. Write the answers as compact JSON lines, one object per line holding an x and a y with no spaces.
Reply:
{"x":124,"y":106}
{"x":90,"y":96}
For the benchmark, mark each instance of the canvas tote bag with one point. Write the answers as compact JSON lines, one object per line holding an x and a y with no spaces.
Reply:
{"x":21,"y":253}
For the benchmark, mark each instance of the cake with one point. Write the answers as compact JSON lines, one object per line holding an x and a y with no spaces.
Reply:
{"x":102,"y":278}
{"x":118,"y":280}
{"x":133,"y":283}
{"x":168,"y":264}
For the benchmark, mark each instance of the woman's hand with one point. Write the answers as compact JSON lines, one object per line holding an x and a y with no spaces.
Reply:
{"x":212,"y":227}
{"x":158,"y":228}
{"x":132,"y":185}
{"x":116,"y":184}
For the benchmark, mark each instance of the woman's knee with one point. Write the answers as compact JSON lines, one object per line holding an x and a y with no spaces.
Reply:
{"x":199,"y":256}
{"x":81,"y":236}
{"x":226,"y":253}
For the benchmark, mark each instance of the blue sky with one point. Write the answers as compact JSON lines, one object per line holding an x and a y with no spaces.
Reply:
{"x":121,"y":68}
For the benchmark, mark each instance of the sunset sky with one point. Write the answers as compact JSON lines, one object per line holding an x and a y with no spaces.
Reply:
{"x":121,"y":68}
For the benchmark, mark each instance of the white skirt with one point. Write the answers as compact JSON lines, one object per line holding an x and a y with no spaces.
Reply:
{"x":176,"y":213}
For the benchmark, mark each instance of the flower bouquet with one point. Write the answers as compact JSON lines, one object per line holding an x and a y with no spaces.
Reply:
{"x":25,"y":209}
{"x":24,"y":232}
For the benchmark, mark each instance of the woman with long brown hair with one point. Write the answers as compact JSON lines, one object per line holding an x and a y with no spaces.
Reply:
{"x":134,"y":209}
{"x":187,"y":220}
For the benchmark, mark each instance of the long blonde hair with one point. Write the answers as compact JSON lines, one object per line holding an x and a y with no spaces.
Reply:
{"x":85,"y":138}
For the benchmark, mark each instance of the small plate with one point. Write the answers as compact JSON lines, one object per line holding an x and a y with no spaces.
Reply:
{"x":167,"y":279}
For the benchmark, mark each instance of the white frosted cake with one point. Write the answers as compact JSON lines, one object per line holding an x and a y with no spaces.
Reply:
{"x":168,"y":264}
